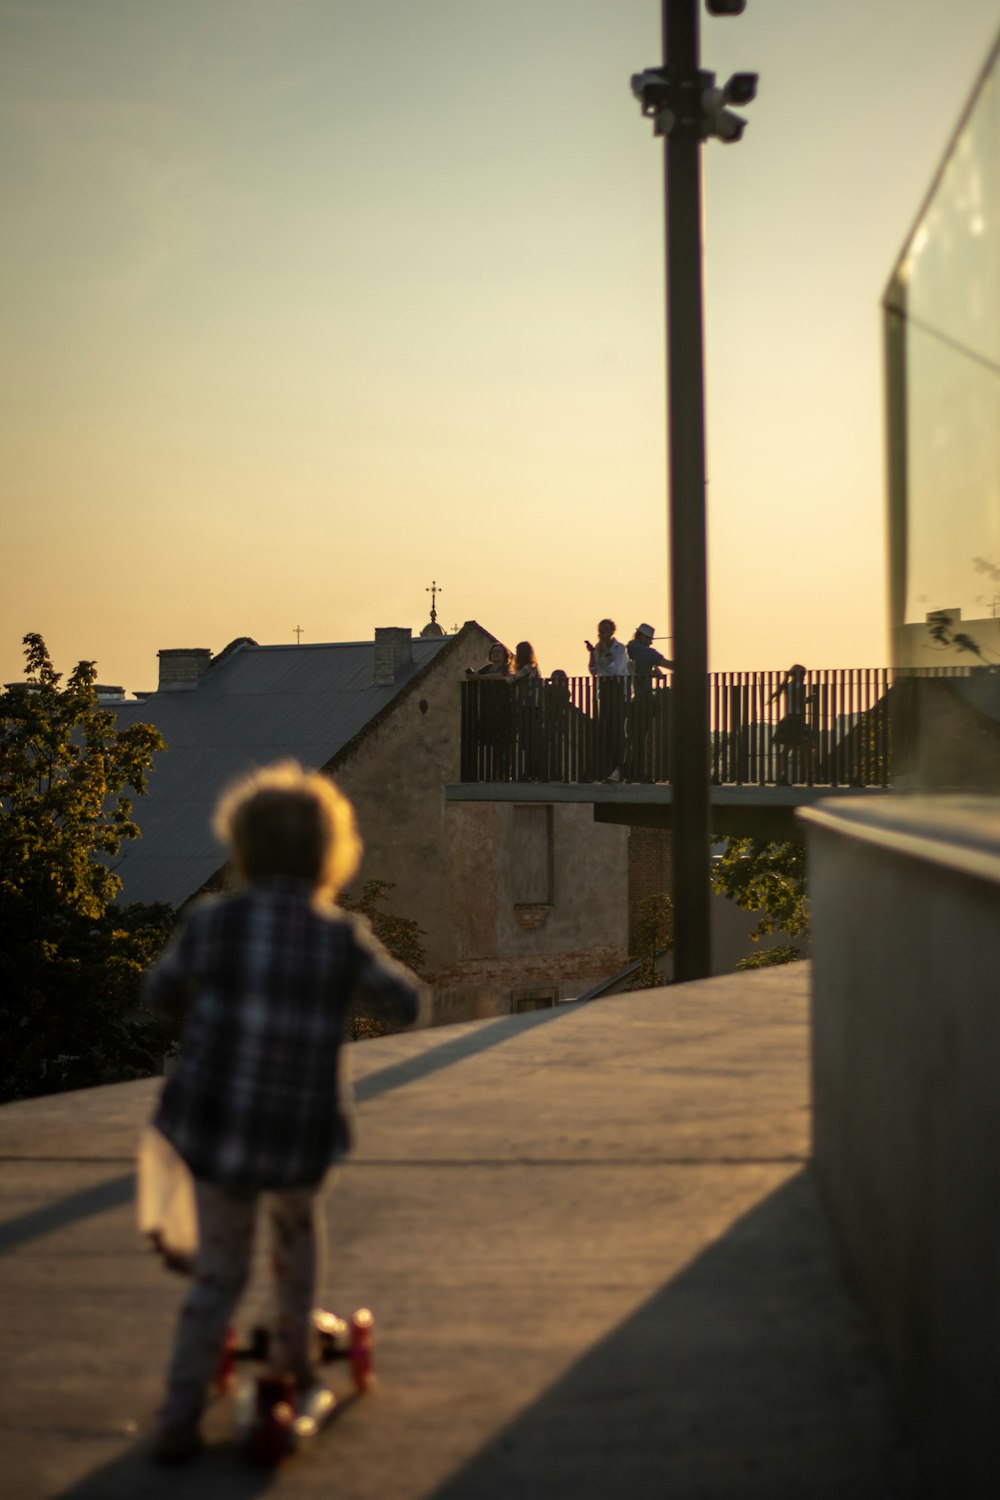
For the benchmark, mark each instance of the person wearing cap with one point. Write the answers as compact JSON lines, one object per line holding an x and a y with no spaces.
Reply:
{"x":647,"y":726}
{"x":643,"y":658}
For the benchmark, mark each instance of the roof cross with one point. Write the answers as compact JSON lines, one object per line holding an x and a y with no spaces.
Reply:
{"x":297,"y":632}
{"x":434,"y":590}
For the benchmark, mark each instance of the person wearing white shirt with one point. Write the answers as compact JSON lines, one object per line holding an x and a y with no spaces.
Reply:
{"x":608,"y":658}
{"x":609,"y":664}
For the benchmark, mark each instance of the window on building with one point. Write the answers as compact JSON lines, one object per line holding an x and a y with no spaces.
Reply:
{"x":532,"y":856}
{"x":542,"y":997}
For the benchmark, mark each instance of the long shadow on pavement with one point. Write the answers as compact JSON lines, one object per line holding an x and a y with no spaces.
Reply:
{"x":219,"y":1474}
{"x":222,"y":1472}
{"x":455,"y":1050}
{"x":750,"y":1374}
{"x":65,"y":1211}
{"x":119,"y":1190}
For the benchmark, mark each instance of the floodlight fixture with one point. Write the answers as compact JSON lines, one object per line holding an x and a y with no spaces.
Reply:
{"x":716,"y":118}
{"x":652,"y":89}
{"x":741,"y":88}
{"x":729,"y":127}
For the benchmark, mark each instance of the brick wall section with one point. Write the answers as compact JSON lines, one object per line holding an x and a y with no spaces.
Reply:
{"x":564,"y":969}
{"x":649,"y":870}
{"x":484,"y":987}
{"x":532,"y":917}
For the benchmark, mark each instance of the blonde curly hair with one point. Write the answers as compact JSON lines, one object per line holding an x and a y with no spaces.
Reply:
{"x":282,"y":820}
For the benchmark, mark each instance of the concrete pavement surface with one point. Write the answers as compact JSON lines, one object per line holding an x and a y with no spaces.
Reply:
{"x":596,"y":1256}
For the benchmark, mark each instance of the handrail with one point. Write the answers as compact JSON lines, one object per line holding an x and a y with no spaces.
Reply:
{"x":606,"y":986}
{"x":816,"y":728}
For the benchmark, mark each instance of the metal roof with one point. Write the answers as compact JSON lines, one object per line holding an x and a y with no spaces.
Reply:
{"x":256,"y":705}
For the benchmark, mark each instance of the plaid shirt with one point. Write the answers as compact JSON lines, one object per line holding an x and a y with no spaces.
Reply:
{"x":265,"y":980}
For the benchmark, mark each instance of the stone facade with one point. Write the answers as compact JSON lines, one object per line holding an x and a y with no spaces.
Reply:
{"x":518,"y":905}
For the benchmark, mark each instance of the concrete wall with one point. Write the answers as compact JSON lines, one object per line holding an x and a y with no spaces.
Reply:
{"x":906,"y":1076}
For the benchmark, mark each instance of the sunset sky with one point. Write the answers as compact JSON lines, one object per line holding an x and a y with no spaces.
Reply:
{"x":306,"y":303}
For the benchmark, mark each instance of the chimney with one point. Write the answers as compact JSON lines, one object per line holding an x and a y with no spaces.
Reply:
{"x":108,"y":694}
{"x":393,"y":651}
{"x":180,"y":669}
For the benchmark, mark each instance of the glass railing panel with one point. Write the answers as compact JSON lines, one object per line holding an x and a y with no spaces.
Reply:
{"x":943,"y":408}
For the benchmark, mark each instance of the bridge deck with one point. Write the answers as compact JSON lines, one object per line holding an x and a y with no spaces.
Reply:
{"x":749,"y":811}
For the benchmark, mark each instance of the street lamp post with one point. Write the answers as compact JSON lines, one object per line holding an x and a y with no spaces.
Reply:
{"x":686,"y":107}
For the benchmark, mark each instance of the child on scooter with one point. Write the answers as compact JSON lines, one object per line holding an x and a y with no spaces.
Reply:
{"x":264,"y":979}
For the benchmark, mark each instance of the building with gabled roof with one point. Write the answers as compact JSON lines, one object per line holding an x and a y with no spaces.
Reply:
{"x":519,"y":905}
{"x":249,"y":706}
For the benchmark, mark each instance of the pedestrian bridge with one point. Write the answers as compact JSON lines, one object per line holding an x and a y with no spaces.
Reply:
{"x":777,"y":741}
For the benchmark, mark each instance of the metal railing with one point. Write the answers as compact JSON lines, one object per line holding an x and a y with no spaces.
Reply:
{"x":820,"y":728}
{"x":826,"y":728}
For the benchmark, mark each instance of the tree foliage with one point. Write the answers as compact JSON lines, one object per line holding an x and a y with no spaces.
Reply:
{"x":769,"y":879}
{"x":653,"y":935}
{"x":69,"y":960}
{"x":784,"y":953}
{"x":401,"y":936}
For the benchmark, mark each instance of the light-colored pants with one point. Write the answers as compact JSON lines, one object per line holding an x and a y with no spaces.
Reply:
{"x":226,"y":1222}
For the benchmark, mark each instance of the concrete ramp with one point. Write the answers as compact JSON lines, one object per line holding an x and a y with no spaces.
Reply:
{"x":591,"y":1241}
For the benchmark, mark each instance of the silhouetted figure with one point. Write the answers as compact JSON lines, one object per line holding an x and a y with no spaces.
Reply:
{"x":526,"y":681}
{"x":645,"y":753}
{"x":794,"y":738}
{"x":557,"y":726}
{"x":609,"y":666}
{"x":494,"y":711}
{"x":525,"y":663}
{"x":499,"y":663}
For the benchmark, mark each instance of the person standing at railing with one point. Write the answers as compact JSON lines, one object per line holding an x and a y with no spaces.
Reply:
{"x":609,"y":665}
{"x":647,"y":708}
{"x":499,"y":663}
{"x":526,"y":682}
{"x":794,"y":738}
{"x":556,"y":726}
{"x":525,"y":663}
{"x":494,"y":711}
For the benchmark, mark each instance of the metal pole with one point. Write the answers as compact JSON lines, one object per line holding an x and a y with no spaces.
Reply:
{"x":688,"y":551}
